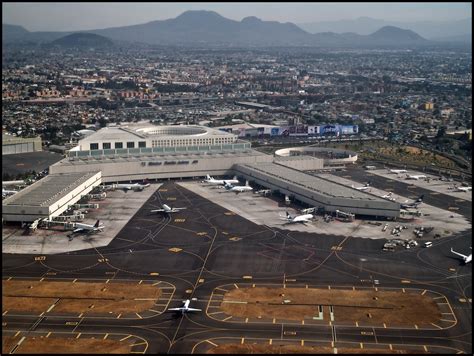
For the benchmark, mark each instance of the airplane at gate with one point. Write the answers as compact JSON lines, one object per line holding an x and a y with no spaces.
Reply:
{"x":465,"y":258}
{"x":167,"y":209}
{"x":237,"y":189}
{"x":185,"y":308}
{"x":463,"y":189}
{"x":211,"y":180}
{"x":306,"y":218}
{"x":6,"y":193}
{"x":413,"y":204}
{"x":129,"y":186}
{"x":364,"y":187}
{"x":87,"y":228}
{"x":398,"y":171}
{"x":416,"y":177}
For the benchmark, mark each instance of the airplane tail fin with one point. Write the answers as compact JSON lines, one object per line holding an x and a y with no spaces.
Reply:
{"x":208,"y":177}
{"x":420,"y":199}
{"x":288,"y":216}
{"x":97,"y":223}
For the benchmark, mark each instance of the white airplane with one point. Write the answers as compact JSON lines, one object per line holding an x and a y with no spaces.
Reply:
{"x":263,"y":192}
{"x":6,"y":193}
{"x":416,"y":177}
{"x":128,"y":186}
{"x":364,"y":187}
{"x":306,"y":218}
{"x":167,"y":209}
{"x":237,"y":189}
{"x":211,"y":180}
{"x":388,"y":196}
{"x":413,"y":204}
{"x":185,"y":308}
{"x":398,"y":171}
{"x":465,"y":258}
{"x":79,"y":227}
{"x":463,"y":189}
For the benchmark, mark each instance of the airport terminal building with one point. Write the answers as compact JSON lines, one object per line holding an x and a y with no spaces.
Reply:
{"x":137,"y":152}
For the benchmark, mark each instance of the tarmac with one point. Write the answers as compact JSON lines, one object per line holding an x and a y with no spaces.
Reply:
{"x":114,"y":213}
{"x":206,"y":248}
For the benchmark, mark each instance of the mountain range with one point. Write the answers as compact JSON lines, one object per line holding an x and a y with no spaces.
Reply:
{"x":208,"y":28}
{"x":432,"y":30}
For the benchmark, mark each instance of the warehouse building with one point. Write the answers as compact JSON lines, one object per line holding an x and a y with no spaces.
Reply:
{"x":13,"y":144}
{"x":316,"y":191}
{"x":49,"y":197}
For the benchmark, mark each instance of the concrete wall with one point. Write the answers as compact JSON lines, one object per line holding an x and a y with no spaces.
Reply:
{"x":134,"y":169}
{"x":314,"y":198}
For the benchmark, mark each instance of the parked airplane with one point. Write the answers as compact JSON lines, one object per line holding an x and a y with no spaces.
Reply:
{"x":465,"y":258}
{"x":306,"y":218}
{"x":6,"y":193}
{"x":398,"y":171}
{"x":416,"y":177}
{"x":128,"y":186}
{"x":185,"y":308}
{"x":88,"y":228}
{"x":263,"y":192}
{"x":211,"y":180}
{"x":167,"y":209}
{"x":364,"y":187}
{"x":413,"y":204}
{"x":388,"y":196}
{"x":237,"y":189}
{"x":463,"y":189}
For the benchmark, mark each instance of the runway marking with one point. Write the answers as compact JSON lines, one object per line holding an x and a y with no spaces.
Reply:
{"x":155,"y":284}
{"x":384,"y":325}
{"x":234,"y":302}
{"x":253,"y":285}
{"x":80,"y":315}
{"x":405,"y":281}
{"x":17,"y":333}
{"x":243,"y":340}
{"x":236,"y":286}
{"x":126,"y":337}
{"x":274,"y":320}
{"x":391,"y":347}
{"x":118,"y":316}
{"x":302,"y":322}
{"x":213,"y":344}
{"x":361,"y":345}
{"x":105,"y":337}
{"x":353,"y":288}
{"x":439,"y":327}
{"x":246,"y":277}
{"x":140,"y":343}
{"x":141,"y":281}
{"x":74,"y":281}
{"x":357,"y":324}
{"x":306,"y":286}
{"x":270,"y":341}
{"x":201,"y":280}
{"x":175,"y":249}
{"x":41,"y":280}
{"x":403,"y":290}
{"x":144,"y":298}
{"x":217,"y":312}
{"x":155,"y":311}
{"x":78,"y":336}
{"x":426,"y":349}
{"x":9,"y":278}
{"x":424,"y":292}
{"x":302,"y":342}
{"x":107,"y":281}
{"x":438,"y":297}
{"x":246,"y":320}
{"x":225,"y":290}
{"x":416,"y":326}
{"x":47,"y":335}
{"x":139,"y":315}
{"x":5,"y":312}
{"x":335,"y":350}
{"x":227,"y":318}
{"x":376,"y":289}
{"x":329,"y":287}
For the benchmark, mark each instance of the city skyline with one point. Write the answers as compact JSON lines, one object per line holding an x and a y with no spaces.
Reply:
{"x":88,"y":16}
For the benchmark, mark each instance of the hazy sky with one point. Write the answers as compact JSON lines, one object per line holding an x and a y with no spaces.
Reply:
{"x":87,"y":16}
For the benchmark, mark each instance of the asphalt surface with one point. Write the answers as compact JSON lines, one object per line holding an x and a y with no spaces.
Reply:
{"x":220,"y":249}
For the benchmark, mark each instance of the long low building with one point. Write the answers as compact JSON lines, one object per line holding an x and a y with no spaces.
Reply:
{"x":49,"y":197}
{"x":317,"y":191}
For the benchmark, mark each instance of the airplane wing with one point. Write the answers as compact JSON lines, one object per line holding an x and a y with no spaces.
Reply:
{"x":175,"y":309}
{"x":459,"y":254}
{"x":157,"y":210}
{"x":177,"y":209}
{"x":79,"y":229}
{"x":193,"y":309}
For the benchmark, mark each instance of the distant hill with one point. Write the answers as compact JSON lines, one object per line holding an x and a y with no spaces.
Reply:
{"x":83,"y":40}
{"x":366,"y":25}
{"x":208,"y":28}
{"x":13,"y":32}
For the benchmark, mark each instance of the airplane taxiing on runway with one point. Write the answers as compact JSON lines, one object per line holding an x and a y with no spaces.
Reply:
{"x":185,"y":308}
{"x":211,"y":180}
{"x":80,"y":227}
{"x":466,"y":259}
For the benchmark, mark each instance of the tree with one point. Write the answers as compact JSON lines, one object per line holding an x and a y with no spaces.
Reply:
{"x":441,"y":132}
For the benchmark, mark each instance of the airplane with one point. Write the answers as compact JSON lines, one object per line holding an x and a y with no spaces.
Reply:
{"x":88,"y":228}
{"x":263,"y":192}
{"x":211,"y":180}
{"x":185,"y":308}
{"x":416,"y":177}
{"x":167,"y":209}
{"x":128,"y":186}
{"x":465,"y":258}
{"x":462,"y":189}
{"x":306,"y":218}
{"x":365,"y":187}
{"x":237,"y":189}
{"x":388,"y":196}
{"x":6,"y":193}
{"x":412,"y":204}
{"x":397,"y":171}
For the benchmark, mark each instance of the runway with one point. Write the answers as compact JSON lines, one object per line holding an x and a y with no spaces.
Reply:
{"x":201,"y":248}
